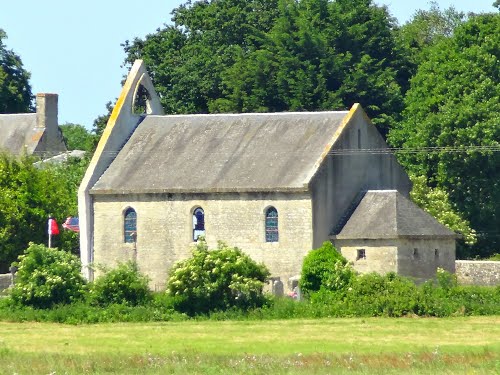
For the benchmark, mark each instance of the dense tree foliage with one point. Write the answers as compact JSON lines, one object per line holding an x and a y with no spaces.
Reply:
{"x":425,"y":29}
{"x":454,"y":102}
{"x":77,"y":137}
{"x":15,"y":90}
{"x":28,"y":195}
{"x":278,"y":55}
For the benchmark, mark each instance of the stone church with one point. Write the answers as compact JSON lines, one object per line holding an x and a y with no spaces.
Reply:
{"x":275,"y":185}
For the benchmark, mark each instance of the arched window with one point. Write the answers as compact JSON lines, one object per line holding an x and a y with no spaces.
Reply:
{"x":130,"y":226}
{"x":198,"y":223}
{"x":272,"y":234}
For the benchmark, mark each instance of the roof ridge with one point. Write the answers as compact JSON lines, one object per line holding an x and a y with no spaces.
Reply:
{"x":251,"y":114}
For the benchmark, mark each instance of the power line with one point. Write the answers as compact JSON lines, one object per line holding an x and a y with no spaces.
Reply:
{"x":400,"y":150}
{"x":371,"y":151}
{"x":415,"y":150}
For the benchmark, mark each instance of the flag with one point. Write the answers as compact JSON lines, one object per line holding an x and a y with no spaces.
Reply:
{"x":53,"y":227}
{"x":72,"y":224}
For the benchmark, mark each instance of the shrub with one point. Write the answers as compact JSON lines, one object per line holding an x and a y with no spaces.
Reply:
{"x":46,"y":277}
{"x":325,"y":267}
{"x":217,"y":279}
{"x":373,"y":294}
{"x":445,"y":279}
{"x":122,"y":285}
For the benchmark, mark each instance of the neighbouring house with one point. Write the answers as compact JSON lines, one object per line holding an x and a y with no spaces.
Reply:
{"x":61,"y":158}
{"x":33,"y":133}
{"x":274,"y":184}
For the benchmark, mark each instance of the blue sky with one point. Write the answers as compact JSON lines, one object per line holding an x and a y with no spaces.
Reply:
{"x":73,"y":47}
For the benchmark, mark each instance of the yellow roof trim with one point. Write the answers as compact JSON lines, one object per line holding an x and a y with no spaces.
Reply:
{"x":329,"y":145}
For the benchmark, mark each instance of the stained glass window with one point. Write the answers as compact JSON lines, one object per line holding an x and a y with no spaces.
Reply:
{"x":130,"y":226}
{"x":272,"y":234}
{"x":198,"y":223}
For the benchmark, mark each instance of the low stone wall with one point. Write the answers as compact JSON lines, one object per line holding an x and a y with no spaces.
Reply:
{"x":5,"y":281}
{"x":477,"y":272}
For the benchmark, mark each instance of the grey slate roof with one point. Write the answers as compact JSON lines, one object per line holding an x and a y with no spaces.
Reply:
{"x":389,"y":214}
{"x":18,"y":133}
{"x":225,"y":152}
{"x":61,"y":158}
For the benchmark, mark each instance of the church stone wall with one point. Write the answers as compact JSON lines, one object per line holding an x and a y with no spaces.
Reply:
{"x":410,"y":257}
{"x":164,"y":227}
{"x":381,"y":257}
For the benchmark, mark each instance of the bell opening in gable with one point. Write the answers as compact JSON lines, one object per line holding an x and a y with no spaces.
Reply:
{"x":142,"y":101}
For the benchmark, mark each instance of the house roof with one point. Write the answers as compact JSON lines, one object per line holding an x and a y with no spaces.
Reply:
{"x":61,"y":158}
{"x":222,"y":153}
{"x":18,"y":133}
{"x":389,"y":214}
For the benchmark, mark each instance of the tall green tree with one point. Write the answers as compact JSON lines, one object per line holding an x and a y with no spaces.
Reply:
{"x":279,"y":55}
{"x":28,"y":195}
{"x":424,"y":30}
{"x":186,"y":60}
{"x":454,"y":102}
{"x":15,"y":89}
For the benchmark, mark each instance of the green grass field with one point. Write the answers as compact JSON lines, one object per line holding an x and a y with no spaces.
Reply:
{"x":465,"y":345}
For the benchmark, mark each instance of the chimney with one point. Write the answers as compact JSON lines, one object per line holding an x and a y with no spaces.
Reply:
{"x":46,"y":111}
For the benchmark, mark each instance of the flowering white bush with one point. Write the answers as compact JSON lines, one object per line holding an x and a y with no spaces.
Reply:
{"x":46,"y":277}
{"x":217,"y":280}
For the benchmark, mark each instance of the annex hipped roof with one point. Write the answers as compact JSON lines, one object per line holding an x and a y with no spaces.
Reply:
{"x":389,"y":214}
{"x":223,"y":152}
